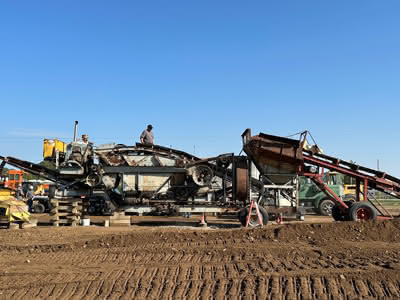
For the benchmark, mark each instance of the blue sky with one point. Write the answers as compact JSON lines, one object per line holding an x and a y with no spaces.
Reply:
{"x":202,"y":72}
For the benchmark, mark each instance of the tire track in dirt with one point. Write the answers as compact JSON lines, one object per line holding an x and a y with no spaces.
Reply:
{"x":157,"y":283}
{"x":305,"y":263}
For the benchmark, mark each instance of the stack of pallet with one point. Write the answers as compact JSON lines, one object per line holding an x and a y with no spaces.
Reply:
{"x":66,"y":211}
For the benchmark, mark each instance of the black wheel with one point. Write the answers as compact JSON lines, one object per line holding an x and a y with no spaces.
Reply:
{"x":325,"y":207}
{"x":243,"y":213}
{"x":38,"y":208}
{"x":337,"y":214}
{"x":362,"y":211}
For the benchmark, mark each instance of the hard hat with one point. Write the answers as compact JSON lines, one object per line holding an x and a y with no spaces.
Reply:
{"x":31,"y":187}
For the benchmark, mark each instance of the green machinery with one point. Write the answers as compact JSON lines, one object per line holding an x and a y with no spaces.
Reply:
{"x":311,"y":196}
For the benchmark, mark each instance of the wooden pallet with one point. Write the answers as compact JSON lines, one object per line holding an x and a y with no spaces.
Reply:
{"x":65,"y":212}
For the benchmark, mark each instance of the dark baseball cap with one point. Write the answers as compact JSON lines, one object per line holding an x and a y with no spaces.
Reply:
{"x":150,"y":126}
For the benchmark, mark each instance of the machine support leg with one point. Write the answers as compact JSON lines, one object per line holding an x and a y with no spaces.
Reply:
{"x":203,"y":221}
{"x":358,"y":189}
{"x":365,"y":189}
{"x":254,"y":204}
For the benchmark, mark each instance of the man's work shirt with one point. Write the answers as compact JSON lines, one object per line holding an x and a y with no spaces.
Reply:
{"x":147,"y":137}
{"x":29,"y":195}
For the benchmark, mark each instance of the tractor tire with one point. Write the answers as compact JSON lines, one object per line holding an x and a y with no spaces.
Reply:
{"x":325,"y":207}
{"x":337,"y":214}
{"x":243,"y":213}
{"x":38,"y":208}
{"x":362,"y":211}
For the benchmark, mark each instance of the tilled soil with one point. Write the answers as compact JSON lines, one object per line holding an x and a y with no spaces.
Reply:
{"x":294,"y":261}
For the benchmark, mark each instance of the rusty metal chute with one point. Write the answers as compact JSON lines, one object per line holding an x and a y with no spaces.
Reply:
{"x":277,"y":157}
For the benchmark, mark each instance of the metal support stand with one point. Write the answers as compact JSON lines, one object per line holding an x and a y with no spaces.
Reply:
{"x":254,"y":204}
{"x":203,"y":222}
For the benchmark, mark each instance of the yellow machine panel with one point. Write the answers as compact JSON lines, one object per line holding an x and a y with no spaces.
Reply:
{"x":12,"y":210}
{"x":51,"y":145}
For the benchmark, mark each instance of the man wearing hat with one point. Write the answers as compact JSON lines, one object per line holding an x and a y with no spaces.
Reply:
{"x":85,"y":139}
{"x":147,"y":137}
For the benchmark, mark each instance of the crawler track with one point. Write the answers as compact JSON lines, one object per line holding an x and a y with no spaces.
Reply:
{"x":327,"y":261}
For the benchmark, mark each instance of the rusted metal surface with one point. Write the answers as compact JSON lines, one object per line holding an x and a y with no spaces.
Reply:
{"x":372,"y":177}
{"x":202,"y":175}
{"x":112,"y":159}
{"x":241,"y":180}
{"x":277,"y":157}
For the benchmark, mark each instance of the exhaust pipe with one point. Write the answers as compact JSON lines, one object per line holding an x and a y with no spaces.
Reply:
{"x":76,"y":131}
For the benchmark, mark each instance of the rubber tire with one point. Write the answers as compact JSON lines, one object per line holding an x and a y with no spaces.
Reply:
{"x":359,"y":205}
{"x":322,"y":210}
{"x":243,"y":213}
{"x":38,"y":208}
{"x":337,"y":214}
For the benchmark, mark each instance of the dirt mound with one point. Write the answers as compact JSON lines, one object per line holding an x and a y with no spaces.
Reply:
{"x":384,"y":231}
{"x":290,"y":261}
{"x":49,"y":240}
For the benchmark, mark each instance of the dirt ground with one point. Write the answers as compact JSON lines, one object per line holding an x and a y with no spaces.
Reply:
{"x":151,"y":260}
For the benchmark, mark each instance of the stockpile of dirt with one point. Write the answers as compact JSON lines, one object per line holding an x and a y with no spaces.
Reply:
{"x":54,"y":239}
{"x":290,"y":261}
{"x":384,"y":231}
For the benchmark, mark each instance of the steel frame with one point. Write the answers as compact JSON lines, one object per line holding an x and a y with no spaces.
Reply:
{"x":377,"y":182}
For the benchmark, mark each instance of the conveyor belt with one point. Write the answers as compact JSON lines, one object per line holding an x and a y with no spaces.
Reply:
{"x":376,"y":179}
{"x":289,"y":156}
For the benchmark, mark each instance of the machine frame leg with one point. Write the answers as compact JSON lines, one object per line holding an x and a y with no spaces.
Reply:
{"x":254,"y":204}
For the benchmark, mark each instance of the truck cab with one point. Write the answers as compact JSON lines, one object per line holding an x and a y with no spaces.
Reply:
{"x":311,"y":197}
{"x":14,"y":179}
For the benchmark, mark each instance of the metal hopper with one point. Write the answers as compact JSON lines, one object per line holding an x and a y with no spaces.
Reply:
{"x":277,"y":158}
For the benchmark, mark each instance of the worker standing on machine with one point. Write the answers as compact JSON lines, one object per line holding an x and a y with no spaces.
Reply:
{"x":85,"y":139}
{"x":147,"y":137}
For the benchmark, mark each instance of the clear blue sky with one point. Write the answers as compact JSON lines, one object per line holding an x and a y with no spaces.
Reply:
{"x":201,"y":72}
